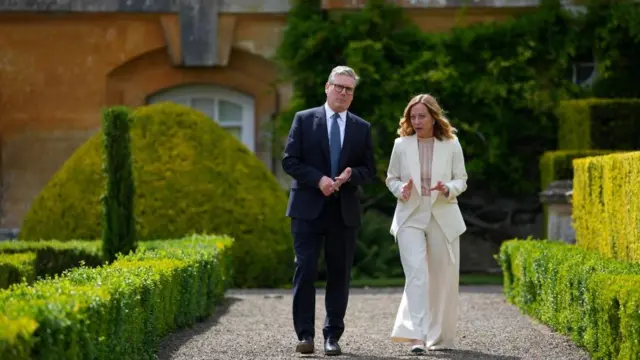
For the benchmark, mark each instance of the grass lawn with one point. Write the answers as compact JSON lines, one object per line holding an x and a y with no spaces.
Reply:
{"x":465,"y":279}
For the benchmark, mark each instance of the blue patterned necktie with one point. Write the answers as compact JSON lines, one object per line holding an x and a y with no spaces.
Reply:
{"x":335,"y":146}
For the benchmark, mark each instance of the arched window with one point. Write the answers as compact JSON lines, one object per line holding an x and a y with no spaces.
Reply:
{"x":584,"y":67}
{"x":233,"y":110}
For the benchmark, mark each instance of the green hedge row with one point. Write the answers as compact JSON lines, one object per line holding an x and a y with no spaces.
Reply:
{"x":595,"y":301}
{"x":51,"y":258}
{"x":599,"y":124}
{"x":558,"y":165}
{"x":116,"y":311}
{"x":15,"y":268}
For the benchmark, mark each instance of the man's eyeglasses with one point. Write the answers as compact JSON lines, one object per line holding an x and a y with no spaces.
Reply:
{"x":338,"y":88}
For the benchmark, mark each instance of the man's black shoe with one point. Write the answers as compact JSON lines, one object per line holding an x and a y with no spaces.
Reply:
{"x":305,"y":346}
{"x":332,"y":348}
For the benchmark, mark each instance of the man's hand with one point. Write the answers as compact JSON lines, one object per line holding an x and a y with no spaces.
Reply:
{"x":342,"y":178}
{"x":326,"y":185}
{"x":440,"y":186}
{"x":406,"y":190}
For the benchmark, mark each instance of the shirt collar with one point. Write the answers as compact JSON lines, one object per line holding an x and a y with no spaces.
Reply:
{"x":330,"y":112}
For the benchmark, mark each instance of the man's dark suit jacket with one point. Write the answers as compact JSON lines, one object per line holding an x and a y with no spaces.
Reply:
{"x":306,"y":159}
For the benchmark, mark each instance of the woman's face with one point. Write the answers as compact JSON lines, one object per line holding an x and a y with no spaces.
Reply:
{"x":421,"y":120}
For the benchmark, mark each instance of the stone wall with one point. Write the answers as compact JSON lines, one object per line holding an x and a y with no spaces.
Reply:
{"x":58,"y":71}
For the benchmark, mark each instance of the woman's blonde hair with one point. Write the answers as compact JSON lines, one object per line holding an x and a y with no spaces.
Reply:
{"x":442,"y":128}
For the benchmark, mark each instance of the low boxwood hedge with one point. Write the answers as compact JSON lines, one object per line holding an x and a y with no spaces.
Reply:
{"x":116,"y":311}
{"x":592,"y":299}
{"x":50,"y":258}
{"x":16,"y":268}
{"x":598,"y":123}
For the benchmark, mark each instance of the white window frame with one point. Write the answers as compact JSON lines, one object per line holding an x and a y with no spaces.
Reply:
{"x":581,"y":9}
{"x":592,"y":76}
{"x":185,"y":94}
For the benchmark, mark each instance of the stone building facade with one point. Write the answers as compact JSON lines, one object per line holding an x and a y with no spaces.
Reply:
{"x":62,"y":61}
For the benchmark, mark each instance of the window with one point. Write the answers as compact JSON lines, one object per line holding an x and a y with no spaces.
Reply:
{"x":584,"y":69}
{"x":232,"y":110}
{"x":584,"y":73}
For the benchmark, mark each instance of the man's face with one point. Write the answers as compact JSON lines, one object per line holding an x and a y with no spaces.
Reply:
{"x":340,"y":92}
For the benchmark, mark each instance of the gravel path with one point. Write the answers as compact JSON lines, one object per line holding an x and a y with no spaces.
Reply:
{"x":256,"y":324}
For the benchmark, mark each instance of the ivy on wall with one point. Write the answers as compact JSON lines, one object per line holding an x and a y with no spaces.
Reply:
{"x":499,"y":83}
{"x":613,"y":29}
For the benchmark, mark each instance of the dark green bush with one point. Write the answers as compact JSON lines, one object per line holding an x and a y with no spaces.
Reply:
{"x":119,"y":230}
{"x":54,"y":257}
{"x":191,"y":176}
{"x":558,"y":165}
{"x":611,"y":27}
{"x":377,"y":254}
{"x":15,"y":268}
{"x":599,"y":124}
{"x":595,"y":301}
{"x":498,"y":82}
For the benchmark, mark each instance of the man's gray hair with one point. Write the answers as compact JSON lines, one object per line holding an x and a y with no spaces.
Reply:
{"x":343,"y":70}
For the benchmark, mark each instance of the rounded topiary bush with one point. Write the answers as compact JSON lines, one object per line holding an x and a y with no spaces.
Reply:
{"x":191,"y":176}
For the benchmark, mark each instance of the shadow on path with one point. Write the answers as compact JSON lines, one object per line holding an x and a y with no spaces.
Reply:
{"x":480,"y":289}
{"x":255,"y":324}
{"x":174,"y":341}
{"x":468,"y":355}
{"x":443,"y":355}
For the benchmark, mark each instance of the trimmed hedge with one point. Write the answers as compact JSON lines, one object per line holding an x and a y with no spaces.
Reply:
{"x":578,"y":293}
{"x":15,"y":268}
{"x":558,"y":165}
{"x":606,"y":210}
{"x":119,"y":311}
{"x":599,"y":124}
{"x":191,"y":177}
{"x":52,"y":257}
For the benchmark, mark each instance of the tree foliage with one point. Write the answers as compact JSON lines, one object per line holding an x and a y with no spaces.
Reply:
{"x":499,"y":83}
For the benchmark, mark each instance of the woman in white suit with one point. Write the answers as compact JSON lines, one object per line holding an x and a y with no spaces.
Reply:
{"x":426,"y":174}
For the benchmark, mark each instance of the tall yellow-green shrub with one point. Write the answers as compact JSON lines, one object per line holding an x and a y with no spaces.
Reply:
{"x":606,"y":205}
{"x":191,"y":177}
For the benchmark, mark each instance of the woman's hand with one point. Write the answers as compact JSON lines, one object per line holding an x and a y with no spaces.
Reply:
{"x":440,"y":186}
{"x":406,"y":190}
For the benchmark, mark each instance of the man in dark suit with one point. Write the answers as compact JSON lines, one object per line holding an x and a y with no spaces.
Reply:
{"x":329,"y":154}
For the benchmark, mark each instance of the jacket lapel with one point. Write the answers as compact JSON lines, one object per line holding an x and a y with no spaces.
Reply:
{"x":414,"y":161}
{"x":437,"y":163}
{"x":320,"y":127}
